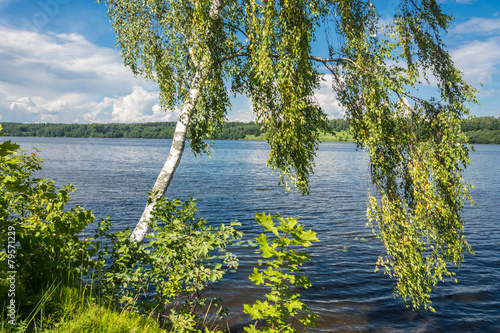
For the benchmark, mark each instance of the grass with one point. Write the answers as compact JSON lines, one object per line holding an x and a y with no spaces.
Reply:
{"x":255,"y":138}
{"x":65,"y":309}
{"x":104,"y":319}
{"x":338,"y":137}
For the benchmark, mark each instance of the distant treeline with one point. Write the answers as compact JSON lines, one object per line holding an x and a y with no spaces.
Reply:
{"x":479,"y":130}
{"x":482,"y":129}
{"x":162,"y":130}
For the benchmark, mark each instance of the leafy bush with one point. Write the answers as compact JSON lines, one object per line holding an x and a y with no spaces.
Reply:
{"x":123,"y":278}
{"x":178,"y":261}
{"x":283,"y":306}
{"x":39,"y":238}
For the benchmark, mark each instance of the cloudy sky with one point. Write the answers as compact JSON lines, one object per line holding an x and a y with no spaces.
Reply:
{"x":59,"y":64}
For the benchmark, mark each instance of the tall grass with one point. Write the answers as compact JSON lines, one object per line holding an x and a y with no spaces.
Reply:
{"x":65,"y":309}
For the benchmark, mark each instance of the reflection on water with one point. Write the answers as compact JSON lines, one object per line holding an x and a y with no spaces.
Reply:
{"x":113,"y":176}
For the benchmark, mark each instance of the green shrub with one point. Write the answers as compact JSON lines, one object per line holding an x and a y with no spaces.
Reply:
{"x":283,"y":305}
{"x":181,"y":259}
{"x":39,"y":238}
{"x":124,"y":278}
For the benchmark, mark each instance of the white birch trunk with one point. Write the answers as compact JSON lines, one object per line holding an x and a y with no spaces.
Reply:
{"x":178,"y":144}
{"x":173,"y":160}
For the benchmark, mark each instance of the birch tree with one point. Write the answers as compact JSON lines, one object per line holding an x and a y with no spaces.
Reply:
{"x":200,"y":52}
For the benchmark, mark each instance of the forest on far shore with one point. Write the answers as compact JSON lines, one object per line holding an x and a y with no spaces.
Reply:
{"x":479,"y":130}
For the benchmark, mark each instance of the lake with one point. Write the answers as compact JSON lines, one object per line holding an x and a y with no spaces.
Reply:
{"x":114,"y":175}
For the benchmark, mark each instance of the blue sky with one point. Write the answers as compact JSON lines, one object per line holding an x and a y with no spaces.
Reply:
{"x":59,"y":64}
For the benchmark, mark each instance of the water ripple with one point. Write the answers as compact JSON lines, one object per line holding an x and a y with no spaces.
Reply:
{"x":113,"y":176}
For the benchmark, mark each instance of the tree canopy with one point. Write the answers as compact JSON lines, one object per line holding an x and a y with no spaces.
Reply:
{"x":202,"y":52}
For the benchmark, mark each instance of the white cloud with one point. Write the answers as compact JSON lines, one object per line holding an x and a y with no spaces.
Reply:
{"x":65,"y":78}
{"x":242,"y":109}
{"x":465,"y":2}
{"x":48,"y":77}
{"x":327,"y":99}
{"x":23,"y":104}
{"x":478,"y":25}
{"x":26,"y":107}
{"x":478,"y":60}
{"x":99,"y":112}
{"x":140,"y":106}
{"x":62,"y":77}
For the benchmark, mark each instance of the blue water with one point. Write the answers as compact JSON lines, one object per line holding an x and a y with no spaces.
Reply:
{"x":113,"y":176}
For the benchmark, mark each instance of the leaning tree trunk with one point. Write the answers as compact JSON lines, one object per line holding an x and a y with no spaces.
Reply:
{"x":173,"y":159}
{"x":178,"y":143}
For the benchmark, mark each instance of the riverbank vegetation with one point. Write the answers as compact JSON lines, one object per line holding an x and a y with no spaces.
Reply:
{"x":480,"y":130}
{"x":61,"y":271}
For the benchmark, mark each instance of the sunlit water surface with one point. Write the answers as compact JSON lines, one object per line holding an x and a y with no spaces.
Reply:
{"x":113,"y":176}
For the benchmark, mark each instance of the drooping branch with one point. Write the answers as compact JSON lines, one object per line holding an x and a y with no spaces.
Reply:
{"x":325,"y":61}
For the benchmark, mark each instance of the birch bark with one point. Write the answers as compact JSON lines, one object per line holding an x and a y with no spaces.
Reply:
{"x":178,"y":142}
{"x":172,"y":162}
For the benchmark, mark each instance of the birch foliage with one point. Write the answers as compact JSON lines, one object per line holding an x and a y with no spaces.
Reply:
{"x":263,"y":49}
{"x":414,"y":144}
